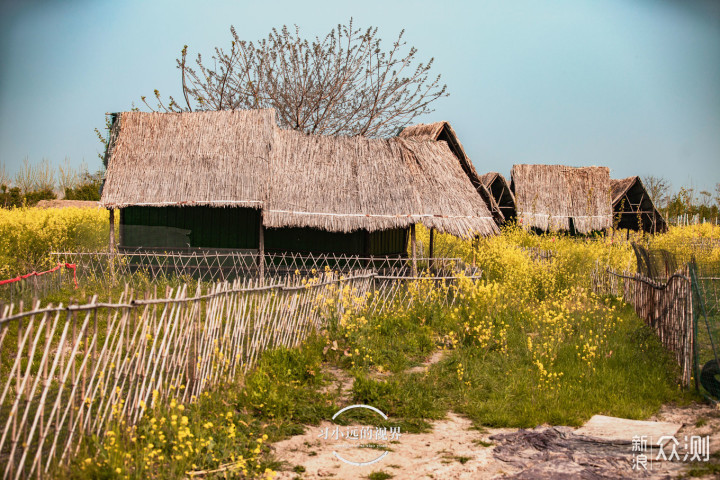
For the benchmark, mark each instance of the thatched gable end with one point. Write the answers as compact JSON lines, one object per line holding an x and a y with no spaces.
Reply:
{"x":337,"y":184}
{"x":443,"y":132}
{"x":633,"y":208}
{"x":550,"y":197}
{"x":501,"y":193}
{"x":618,"y":188}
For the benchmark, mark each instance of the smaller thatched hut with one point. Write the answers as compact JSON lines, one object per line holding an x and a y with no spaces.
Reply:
{"x":633,"y":208}
{"x":443,"y":132}
{"x":501,"y":193}
{"x":557,"y":197}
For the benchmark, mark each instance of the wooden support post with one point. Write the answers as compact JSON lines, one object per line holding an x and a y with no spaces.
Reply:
{"x":112,"y":230}
{"x":431,"y":254}
{"x":112,"y":244}
{"x":366,"y":249}
{"x":413,"y":250}
{"x":261,"y":251}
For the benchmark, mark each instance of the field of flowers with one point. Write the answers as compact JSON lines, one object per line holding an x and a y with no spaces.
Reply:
{"x":28,"y":235}
{"x":528,"y":344}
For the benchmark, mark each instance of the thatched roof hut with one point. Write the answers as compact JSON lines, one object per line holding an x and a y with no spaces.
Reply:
{"x":243,"y":159}
{"x":633,"y":208}
{"x":443,"y":132}
{"x":501,"y":193}
{"x":557,"y":197}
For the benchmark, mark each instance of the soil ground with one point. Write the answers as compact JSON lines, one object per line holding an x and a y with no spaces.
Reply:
{"x":454,"y":449}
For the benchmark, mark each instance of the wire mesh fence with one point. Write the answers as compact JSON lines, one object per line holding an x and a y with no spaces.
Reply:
{"x":706,"y":301}
{"x":228,"y":265}
{"x":69,"y":371}
{"x":98,"y":270}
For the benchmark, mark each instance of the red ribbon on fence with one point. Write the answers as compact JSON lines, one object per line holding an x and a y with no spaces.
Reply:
{"x":71,"y":266}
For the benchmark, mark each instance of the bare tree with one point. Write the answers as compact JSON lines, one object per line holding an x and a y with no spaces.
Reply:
{"x":4,"y":177}
{"x":658,"y":188}
{"x":68,"y":176}
{"x":343,"y":84}
{"x":35,"y":177}
{"x":26,"y":177}
{"x":44,"y":175}
{"x":705,"y":198}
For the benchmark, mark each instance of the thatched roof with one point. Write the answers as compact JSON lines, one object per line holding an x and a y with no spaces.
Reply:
{"x":501,"y":193}
{"x":199,"y":158}
{"x":67,"y":204}
{"x":443,"y":132}
{"x":549,"y":197}
{"x":619,"y":187}
{"x":633,"y":208}
{"x":242,"y":158}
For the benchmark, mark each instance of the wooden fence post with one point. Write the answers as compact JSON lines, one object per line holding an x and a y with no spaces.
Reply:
{"x":413,"y":249}
{"x":112,"y":245}
{"x":432,"y":247}
{"x":261,"y":250}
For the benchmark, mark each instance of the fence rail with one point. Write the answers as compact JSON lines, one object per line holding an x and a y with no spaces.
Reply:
{"x":72,"y":369}
{"x":666,"y":307}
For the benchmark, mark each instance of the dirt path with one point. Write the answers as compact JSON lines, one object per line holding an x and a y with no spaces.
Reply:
{"x":454,"y":450}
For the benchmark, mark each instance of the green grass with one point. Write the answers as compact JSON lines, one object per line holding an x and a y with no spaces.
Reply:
{"x":631,"y":377}
{"x":702,"y":470}
{"x":379,"y":475}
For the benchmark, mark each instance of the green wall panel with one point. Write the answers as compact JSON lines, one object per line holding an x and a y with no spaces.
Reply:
{"x":208,"y":227}
{"x":211,"y":227}
{"x":308,"y":240}
{"x":362,"y":243}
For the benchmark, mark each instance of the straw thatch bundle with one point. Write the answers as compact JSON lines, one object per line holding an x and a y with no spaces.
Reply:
{"x":501,"y":193}
{"x":619,"y":187}
{"x":633,"y":208}
{"x":443,"y":132}
{"x":339,"y":184}
{"x":199,"y":158}
{"x":556,"y":197}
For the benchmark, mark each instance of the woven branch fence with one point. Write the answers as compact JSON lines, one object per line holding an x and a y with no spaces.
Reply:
{"x":667,"y":308}
{"x":73,"y":369}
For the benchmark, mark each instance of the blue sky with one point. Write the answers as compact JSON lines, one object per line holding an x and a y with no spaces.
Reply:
{"x":630,"y":84}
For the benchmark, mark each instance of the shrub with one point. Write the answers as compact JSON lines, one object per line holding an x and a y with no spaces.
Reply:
{"x":88,"y":188}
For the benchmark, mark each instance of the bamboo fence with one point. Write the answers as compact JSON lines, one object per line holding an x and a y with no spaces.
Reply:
{"x":75,"y":367}
{"x":72,"y":369}
{"x":666,"y":307}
